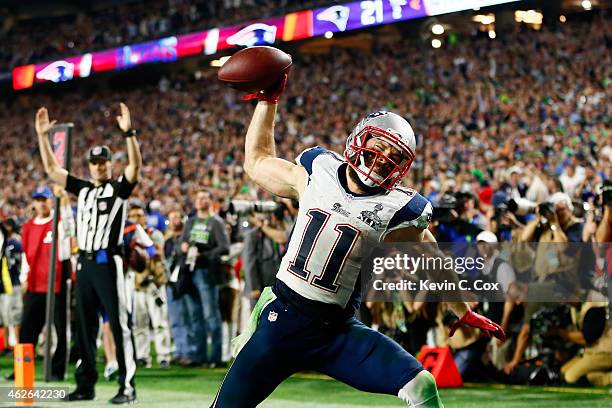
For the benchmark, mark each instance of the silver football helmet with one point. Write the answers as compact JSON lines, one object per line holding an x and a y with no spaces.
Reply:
{"x":370,"y":162}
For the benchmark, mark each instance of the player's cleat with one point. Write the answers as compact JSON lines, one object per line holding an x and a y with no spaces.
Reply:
{"x":79,"y":395}
{"x":143,"y":363}
{"x":123,"y":399}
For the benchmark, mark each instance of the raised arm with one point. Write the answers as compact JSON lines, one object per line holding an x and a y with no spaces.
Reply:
{"x":132,"y":170}
{"x":55,"y":172}
{"x":278,"y":176}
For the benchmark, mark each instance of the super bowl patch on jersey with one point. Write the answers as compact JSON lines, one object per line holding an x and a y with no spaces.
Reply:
{"x":371,"y":217}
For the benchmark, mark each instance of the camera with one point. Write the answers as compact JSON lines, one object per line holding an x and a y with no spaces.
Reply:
{"x":159,"y":300}
{"x":606,"y":193}
{"x":443,"y":211}
{"x":521,"y":206}
{"x":244,"y":207}
{"x":546,"y":210}
{"x":548,"y":318}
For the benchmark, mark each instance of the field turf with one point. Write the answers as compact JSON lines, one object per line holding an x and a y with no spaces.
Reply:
{"x":193,"y":387}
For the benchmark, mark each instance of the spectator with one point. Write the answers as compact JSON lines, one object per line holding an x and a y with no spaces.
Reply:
{"x":205,"y":239}
{"x":261,"y":255}
{"x":37,"y":241}
{"x":180,"y":325}
{"x":11,"y":304}
{"x":156,"y":219}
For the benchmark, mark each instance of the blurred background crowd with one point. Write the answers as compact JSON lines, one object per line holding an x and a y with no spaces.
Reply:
{"x":514,"y":145}
{"x":107,"y":25}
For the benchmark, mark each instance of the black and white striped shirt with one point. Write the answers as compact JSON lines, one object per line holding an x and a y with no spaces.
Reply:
{"x":101,"y":212}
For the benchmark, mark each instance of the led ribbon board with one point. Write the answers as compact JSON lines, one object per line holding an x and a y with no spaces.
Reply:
{"x":291,"y":27}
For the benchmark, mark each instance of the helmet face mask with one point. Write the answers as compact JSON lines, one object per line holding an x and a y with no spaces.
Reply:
{"x":373,"y":165}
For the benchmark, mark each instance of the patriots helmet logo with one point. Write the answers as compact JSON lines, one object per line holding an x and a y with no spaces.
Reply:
{"x":254,"y":34}
{"x":57,"y":71}
{"x":338,"y":15}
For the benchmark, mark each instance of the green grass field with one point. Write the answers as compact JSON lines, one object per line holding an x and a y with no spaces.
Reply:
{"x":181,"y":387}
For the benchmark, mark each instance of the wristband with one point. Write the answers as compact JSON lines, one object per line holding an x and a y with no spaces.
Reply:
{"x":130,"y":133}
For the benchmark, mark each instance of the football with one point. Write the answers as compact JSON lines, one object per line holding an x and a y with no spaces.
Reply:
{"x":255,"y":69}
{"x":138,"y":258}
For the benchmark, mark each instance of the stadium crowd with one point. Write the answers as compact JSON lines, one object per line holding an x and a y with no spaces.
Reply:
{"x":134,"y":21}
{"x":502,"y":125}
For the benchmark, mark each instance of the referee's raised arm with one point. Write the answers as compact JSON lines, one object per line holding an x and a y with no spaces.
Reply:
{"x":57,"y":173}
{"x":132,"y":170}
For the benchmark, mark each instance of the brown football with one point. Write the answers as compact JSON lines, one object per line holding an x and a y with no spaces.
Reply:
{"x":254,"y":69}
{"x":138,"y":258}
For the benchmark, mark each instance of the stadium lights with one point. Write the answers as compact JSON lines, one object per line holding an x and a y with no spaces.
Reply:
{"x":329,"y":35}
{"x":436,"y":43}
{"x":437,"y":29}
{"x":218,"y":63}
{"x":492,"y":34}
{"x":484,"y":19}
{"x":528,"y":17}
{"x":562,"y":18}
{"x":586,"y":4}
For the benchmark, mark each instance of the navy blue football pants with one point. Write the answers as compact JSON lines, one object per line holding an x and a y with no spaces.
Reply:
{"x":287,"y":341}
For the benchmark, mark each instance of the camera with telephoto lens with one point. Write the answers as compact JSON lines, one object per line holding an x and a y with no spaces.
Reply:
{"x":606,"y":193}
{"x":245,"y":207}
{"x":443,"y":211}
{"x":500,"y":211}
{"x":548,"y":318}
{"x":521,"y":206}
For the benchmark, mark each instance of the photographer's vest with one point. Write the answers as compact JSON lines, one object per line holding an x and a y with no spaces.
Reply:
{"x":604,"y":342}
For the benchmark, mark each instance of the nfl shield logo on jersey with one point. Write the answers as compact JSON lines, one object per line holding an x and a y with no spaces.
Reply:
{"x":272,"y":316}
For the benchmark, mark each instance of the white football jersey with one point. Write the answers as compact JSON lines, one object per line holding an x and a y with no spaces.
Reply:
{"x":335,"y":229}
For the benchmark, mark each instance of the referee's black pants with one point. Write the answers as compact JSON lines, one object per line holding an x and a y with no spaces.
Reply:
{"x":102,"y":285}
{"x":33,"y":321}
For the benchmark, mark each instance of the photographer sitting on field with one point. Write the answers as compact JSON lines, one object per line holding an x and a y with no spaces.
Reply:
{"x":555,"y":266}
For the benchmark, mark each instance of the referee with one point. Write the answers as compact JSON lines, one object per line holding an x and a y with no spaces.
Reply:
{"x":101,"y":214}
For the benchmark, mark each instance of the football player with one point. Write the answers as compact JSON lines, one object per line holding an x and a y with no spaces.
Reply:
{"x":348,"y":205}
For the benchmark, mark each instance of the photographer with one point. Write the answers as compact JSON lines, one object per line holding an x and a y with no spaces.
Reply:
{"x":554,"y":223}
{"x":595,"y":335}
{"x":537,"y":300}
{"x":457,"y":218}
{"x":604,"y":231}
{"x":554,"y":267}
{"x":261,"y":255}
{"x":204,"y":240}
{"x":150,"y":308}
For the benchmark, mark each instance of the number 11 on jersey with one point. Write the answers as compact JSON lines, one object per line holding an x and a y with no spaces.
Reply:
{"x":336,"y":254}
